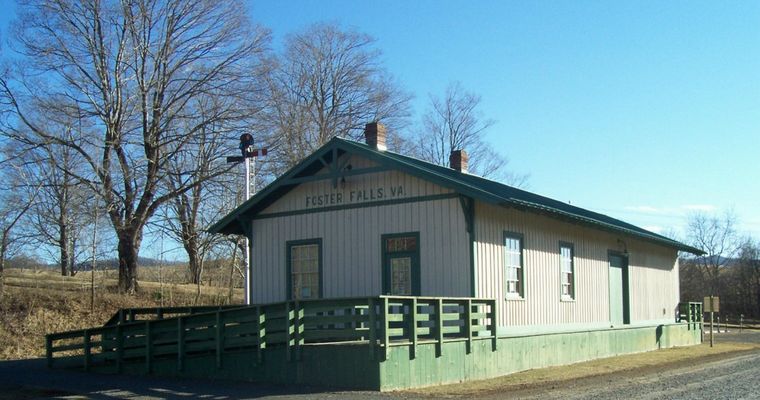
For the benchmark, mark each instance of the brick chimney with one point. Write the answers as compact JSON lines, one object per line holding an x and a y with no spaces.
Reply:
{"x":458,"y":160}
{"x":374,"y":133}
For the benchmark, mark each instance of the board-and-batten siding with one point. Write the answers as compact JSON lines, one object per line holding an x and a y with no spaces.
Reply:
{"x":413,"y":187}
{"x":351,"y":239}
{"x":653,"y":271}
{"x":654,"y":282}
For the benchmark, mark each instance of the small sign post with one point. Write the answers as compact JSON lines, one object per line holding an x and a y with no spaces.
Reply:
{"x":711,"y":304}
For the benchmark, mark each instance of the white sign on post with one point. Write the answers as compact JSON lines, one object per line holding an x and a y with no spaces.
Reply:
{"x":711,"y":304}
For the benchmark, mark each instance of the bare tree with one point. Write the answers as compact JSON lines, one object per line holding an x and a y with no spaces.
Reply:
{"x":16,"y":198}
{"x":59,"y":215}
{"x":328,"y":82}
{"x":453,"y":122}
{"x":189,"y":213}
{"x":130,"y":70}
{"x":716,"y":236}
{"x":748,"y":274}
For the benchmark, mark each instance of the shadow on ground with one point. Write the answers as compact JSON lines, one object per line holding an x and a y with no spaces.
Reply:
{"x":29,"y":379}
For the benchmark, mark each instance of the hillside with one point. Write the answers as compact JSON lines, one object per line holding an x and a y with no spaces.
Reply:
{"x":35,"y":303}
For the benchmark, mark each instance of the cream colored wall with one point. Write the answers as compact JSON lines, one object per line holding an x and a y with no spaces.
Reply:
{"x":351,"y":237}
{"x":653,"y":271}
{"x":361,"y":185}
{"x":654,"y":282}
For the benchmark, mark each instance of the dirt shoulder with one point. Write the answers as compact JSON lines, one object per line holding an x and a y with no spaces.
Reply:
{"x":593,"y":372}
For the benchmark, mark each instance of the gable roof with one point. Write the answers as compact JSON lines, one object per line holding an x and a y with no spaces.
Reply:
{"x":466,"y":184}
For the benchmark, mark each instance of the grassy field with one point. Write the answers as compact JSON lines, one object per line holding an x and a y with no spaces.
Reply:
{"x":35,"y":303}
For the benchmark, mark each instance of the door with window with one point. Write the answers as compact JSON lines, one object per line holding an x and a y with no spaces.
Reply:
{"x":401,"y":264}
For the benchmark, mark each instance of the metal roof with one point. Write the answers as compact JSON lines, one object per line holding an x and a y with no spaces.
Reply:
{"x":466,"y":184}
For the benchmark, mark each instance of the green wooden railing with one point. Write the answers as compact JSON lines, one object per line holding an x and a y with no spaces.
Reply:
{"x":125,"y":315}
{"x":381,"y":322}
{"x":691,"y":313}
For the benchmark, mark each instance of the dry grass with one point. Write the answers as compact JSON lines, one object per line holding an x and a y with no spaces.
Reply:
{"x":552,"y":375}
{"x":34,"y":304}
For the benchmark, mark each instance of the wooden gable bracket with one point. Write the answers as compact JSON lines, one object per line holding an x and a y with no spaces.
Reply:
{"x":336,"y":170}
{"x":245,"y":226}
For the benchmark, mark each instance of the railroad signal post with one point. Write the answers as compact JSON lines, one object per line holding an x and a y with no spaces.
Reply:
{"x":248,"y":156}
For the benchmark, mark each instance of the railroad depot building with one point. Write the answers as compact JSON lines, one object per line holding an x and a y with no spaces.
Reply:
{"x":354,"y":219}
{"x":373,"y":270}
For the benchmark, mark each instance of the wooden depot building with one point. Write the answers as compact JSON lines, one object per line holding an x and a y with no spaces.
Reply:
{"x":354,"y":219}
{"x":375,"y":270}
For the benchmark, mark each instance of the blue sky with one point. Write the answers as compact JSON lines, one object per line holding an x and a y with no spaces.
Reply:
{"x":645,"y":111}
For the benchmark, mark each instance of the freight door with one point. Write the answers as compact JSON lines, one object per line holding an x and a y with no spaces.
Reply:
{"x":619,"y":313}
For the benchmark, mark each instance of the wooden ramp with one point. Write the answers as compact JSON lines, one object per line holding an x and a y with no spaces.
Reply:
{"x":242,"y":341}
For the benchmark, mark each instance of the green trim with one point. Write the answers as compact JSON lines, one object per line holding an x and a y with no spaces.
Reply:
{"x":335,"y":175}
{"x":249,"y":232}
{"x":288,"y":271}
{"x":379,"y":203}
{"x":225,"y":226}
{"x":573,"y":288}
{"x":521,"y":295}
{"x":468,"y":208}
{"x":415,"y":255}
{"x":626,"y":282}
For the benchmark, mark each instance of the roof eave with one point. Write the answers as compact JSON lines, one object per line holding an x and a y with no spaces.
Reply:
{"x":662,"y":241}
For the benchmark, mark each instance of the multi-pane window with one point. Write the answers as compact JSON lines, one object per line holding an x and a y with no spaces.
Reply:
{"x":401,"y":276}
{"x":401,"y":244}
{"x":567,"y":269}
{"x":513,"y":265}
{"x":304,"y":271}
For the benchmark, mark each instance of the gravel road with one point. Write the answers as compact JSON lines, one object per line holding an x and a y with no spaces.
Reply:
{"x":734,"y":378}
{"x":729,"y":377}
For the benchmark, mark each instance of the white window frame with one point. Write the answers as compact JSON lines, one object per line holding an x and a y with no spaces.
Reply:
{"x":510,"y":239}
{"x":567,"y":271}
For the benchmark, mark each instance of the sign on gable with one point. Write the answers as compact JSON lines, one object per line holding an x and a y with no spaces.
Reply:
{"x":339,"y":197}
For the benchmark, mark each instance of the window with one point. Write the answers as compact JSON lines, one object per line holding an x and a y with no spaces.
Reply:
{"x":514,"y":265}
{"x":567,"y":270}
{"x":401,"y":244}
{"x":304,"y":269}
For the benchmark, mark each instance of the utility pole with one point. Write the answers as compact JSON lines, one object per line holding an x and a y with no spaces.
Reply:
{"x":248,"y":157}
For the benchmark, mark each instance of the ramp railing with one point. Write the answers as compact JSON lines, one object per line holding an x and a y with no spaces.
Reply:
{"x":691,"y":313}
{"x":380,"y":322}
{"x":142,"y":313}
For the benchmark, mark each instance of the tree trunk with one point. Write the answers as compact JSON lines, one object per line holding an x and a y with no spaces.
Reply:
{"x":64,"y":246}
{"x":128,"y":248}
{"x":194,"y":263}
{"x":3,"y":248}
{"x":72,"y":258}
{"x":2,"y":268}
